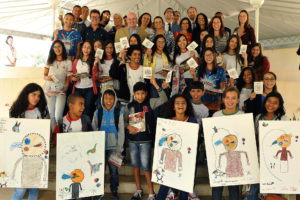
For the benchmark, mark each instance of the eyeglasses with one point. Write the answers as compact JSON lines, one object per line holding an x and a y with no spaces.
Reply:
{"x":57,"y":47}
{"x":161,"y":42}
{"x":209,"y":55}
{"x":269,"y":79}
{"x":180,"y":103}
{"x":109,"y":47}
{"x":95,"y":17}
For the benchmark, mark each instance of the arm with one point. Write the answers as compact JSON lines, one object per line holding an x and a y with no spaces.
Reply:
{"x":252,"y":36}
{"x":95,"y":122}
{"x":156,"y":102}
{"x":115,"y":69}
{"x":46,"y":72}
{"x":219,"y":164}
{"x":121,"y":134}
{"x":290,"y":154}
{"x":244,"y":152}
{"x":278,"y":152}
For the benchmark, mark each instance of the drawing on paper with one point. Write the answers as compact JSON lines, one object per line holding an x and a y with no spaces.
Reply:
{"x":16,"y":127}
{"x":173,"y":155}
{"x":77,"y":177}
{"x":284,"y":141}
{"x":231,"y":150}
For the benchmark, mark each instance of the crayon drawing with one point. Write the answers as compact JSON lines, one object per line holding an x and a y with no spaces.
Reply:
{"x":175,"y":154}
{"x":279,"y":156}
{"x":80,"y":165}
{"x":231,"y":150}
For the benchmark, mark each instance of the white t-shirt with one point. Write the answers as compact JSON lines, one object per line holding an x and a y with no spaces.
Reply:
{"x":244,"y":95}
{"x":11,"y":54}
{"x":59,"y":70}
{"x":83,"y":67}
{"x":220,"y":113}
{"x":104,"y":70}
{"x":33,"y":113}
{"x":134,"y":76}
{"x":200,"y":111}
{"x":70,"y":125}
{"x":231,"y":62}
{"x":182,"y":57}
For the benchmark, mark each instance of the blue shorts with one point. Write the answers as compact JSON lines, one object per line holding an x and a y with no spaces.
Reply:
{"x":140,"y":155}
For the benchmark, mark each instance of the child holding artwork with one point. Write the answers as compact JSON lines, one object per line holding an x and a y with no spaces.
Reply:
{"x":71,"y":38}
{"x":273,"y":109}
{"x":30,"y":104}
{"x":230,"y":99}
{"x":138,"y":115}
{"x":178,"y":108}
{"x":109,"y":118}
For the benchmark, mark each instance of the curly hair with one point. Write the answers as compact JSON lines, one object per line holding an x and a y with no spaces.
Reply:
{"x":169,"y":112}
{"x":155,"y":47}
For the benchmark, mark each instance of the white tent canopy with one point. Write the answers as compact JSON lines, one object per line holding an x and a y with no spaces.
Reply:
{"x":279,"y":20}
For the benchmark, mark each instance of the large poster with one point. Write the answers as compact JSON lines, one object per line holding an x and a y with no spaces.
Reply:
{"x":231,"y":150}
{"x":175,"y":154}
{"x":80,"y":164}
{"x":279,"y":157}
{"x":24,"y":154}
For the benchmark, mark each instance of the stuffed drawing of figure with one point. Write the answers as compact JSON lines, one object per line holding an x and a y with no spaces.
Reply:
{"x":77,"y":177}
{"x":283,"y":141}
{"x":234,"y":166}
{"x":33,"y":161}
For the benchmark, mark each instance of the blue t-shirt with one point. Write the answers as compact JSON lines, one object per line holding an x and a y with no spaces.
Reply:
{"x":70,"y":40}
{"x":213,"y":81}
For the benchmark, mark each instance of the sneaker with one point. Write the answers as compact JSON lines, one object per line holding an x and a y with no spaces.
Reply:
{"x":192,"y":196}
{"x":151,"y":197}
{"x":114,"y":196}
{"x":171,"y":196}
{"x":137,"y":195}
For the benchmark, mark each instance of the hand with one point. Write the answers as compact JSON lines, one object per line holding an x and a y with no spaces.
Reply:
{"x":56,"y":33}
{"x":192,"y":54}
{"x":164,"y":73}
{"x":96,"y":60}
{"x":75,"y":78}
{"x":149,"y":52}
{"x":181,"y":69}
{"x":122,"y":54}
{"x":252,"y":96}
{"x":132,"y":130}
{"x":49,"y":78}
{"x":193,"y":71}
{"x":165,"y":85}
{"x":245,"y":56}
{"x":60,"y":17}
{"x":153,"y":82}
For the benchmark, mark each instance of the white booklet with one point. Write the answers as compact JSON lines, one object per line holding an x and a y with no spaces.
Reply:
{"x":147,"y":43}
{"x":243,"y":48}
{"x":124,"y":42}
{"x":233,"y":73}
{"x":99,"y":53}
{"x":258,"y":87}
{"x":192,"y":63}
{"x":118,"y":47}
{"x":192,"y":46}
{"x":147,"y":72}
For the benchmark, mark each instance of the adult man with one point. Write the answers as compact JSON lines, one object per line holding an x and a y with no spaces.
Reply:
{"x":118,"y":25}
{"x":131,"y":29}
{"x":176,"y":17}
{"x":170,"y":25}
{"x":220,"y":14}
{"x":192,"y":14}
{"x":84,"y":14}
{"x":94,"y":31}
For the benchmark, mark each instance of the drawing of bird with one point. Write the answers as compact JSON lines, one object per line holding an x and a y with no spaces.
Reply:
{"x":93,"y":150}
{"x":94,"y":167}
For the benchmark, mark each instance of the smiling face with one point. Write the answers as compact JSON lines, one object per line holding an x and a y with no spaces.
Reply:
{"x":160,"y":44}
{"x":33,"y":144}
{"x":117,"y":20}
{"x":174,"y":142}
{"x":233,"y":43}
{"x":209,"y":57}
{"x":98,"y":45}
{"x":133,"y":41}
{"x":77,"y":107}
{"x":185,"y":24}
{"x":135,"y":57}
{"x":76,"y":12}
{"x":68,"y":20}
{"x":231,"y":100}
{"x":95,"y":18}
{"x":272,"y":104}
{"x":182,"y":43}
{"x":269,"y":81}
{"x":255,"y":51}
{"x":109,"y":49}
{"x":57,"y":49}
{"x":216,"y":24}
{"x":158,"y":24}
{"x":247,"y":77}
{"x":243,"y":17}
{"x":230,"y":142}
{"x":86,"y":49}
{"x":209,"y":42}
{"x":131,"y":20}
{"x":196,"y":94}
{"x":108,"y":101}
{"x":140,"y":96}
{"x":192,"y":13}
{"x":145,"y":20}
{"x":201,"y":20}
{"x":284,"y":140}
{"x":180,"y":105}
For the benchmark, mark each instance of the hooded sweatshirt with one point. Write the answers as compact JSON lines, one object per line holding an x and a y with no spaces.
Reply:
{"x":114,"y":136}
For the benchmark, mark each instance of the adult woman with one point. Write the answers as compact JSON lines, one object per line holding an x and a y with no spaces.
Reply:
{"x":186,"y":29}
{"x":258,"y":61}
{"x":159,"y":30}
{"x":10,"y":52}
{"x":245,"y":30}
{"x":201,"y":24}
{"x":216,"y":28}
{"x":145,"y":23}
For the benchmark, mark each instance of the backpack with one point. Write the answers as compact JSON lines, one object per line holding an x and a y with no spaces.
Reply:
{"x":99,"y":113}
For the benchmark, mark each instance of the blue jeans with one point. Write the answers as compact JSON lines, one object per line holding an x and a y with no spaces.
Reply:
{"x":140,"y":155}
{"x":88,"y":95}
{"x":20,"y":192}
{"x":163,"y":192}
{"x":113,"y":172}
{"x":254,"y":190}
{"x":234,"y":193}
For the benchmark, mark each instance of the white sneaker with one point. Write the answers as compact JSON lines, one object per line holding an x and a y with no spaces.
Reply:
{"x":170,"y":196}
{"x":151,"y":197}
{"x":192,"y":196}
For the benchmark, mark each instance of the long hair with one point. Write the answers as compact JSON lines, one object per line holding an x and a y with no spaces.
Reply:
{"x":169,"y":112}
{"x":203,"y":64}
{"x":140,"y":20}
{"x":101,"y":16}
{"x":8,"y":37}
{"x":274,"y":89}
{"x":138,"y":38}
{"x":258,"y":61}
{"x":280,"y":111}
{"x":104,"y":48}
{"x":177,"y":51}
{"x":211,"y":29}
{"x":240,"y":81}
{"x":247,"y":24}
{"x":205,"y":21}
{"x":52,"y":55}
{"x":21,"y":104}
{"x":189,"y":30}
{"x":155,"y":47}
{"x":90,"y":59}
{"x":204,"y":43}
{"x":238,"y":57}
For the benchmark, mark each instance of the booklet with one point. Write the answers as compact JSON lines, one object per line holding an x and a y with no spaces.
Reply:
{"x":138,"y":121}
{"x":169,"y":77}
{"x":233,"y":73}
{"x":243,"y":48}
{"x":147,"y":72}
{"x":116,"y":159}
{"x":192,"y":63}
{"x":259,"y":87}
{"x":147,"y":43}
{"x":124,"y":42}
{"x":81,"y":75}
{"x":118,"y":47}
{"x":99,"y":53}
{"x":192,"y":46}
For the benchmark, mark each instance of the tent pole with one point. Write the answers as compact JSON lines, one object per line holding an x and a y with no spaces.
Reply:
{"x":53,"y":17}
{"x":257,"y":24}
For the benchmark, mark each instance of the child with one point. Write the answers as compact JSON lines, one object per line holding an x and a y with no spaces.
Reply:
{"x":30,"y":104}
{"x":178,"y":108}
{"x":127,"y":73}
{"x":140,"y":110}
{"x":230,"y":99}
{"x":273,"y":109}
{"x":82,"y":77}
{"x":69,"y":37}
{"x":109,"y":118}
{"x":57,"y":82}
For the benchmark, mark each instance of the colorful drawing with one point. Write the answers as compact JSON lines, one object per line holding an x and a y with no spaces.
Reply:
{"x":174,"y":162}
{"x":78,"y":166}
{"x":231,"y":160}
{"x":279,"y":157}
{"x":24,"y":156}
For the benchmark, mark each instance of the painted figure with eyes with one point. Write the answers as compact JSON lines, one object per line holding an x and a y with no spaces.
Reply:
{"x":77,"y":177}
{"x":283,"y":141}
{"x":171,"y":154}
{"x":234,"y":166}
{"x":33,"y":160}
